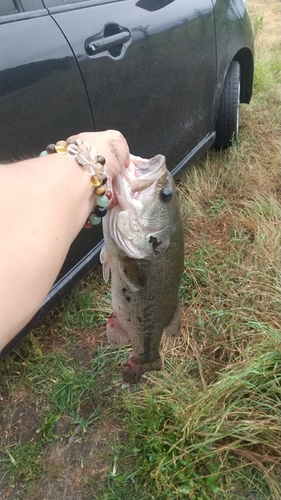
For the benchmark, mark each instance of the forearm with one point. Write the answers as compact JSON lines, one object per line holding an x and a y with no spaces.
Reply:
{"x":38,"y":224}
{"x":44,"y":203}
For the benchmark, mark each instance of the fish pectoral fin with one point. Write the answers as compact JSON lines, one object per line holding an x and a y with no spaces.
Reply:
{"x":173,"y":328}
{"x":115,"y":334}
{"x":105,"y":261}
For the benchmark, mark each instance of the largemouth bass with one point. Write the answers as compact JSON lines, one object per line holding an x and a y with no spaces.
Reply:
{"x":144,"y":252}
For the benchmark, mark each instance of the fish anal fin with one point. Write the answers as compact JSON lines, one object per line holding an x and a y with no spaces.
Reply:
{"x":115,"y":334}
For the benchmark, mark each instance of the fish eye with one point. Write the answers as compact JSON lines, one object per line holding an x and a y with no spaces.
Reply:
{"x":166,"y":194}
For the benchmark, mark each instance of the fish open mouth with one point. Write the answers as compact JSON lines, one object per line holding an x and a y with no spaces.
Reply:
{"x":143,"y":173}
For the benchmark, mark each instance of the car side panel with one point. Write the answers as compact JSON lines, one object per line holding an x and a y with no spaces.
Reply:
{"x":42,"y":100}
{"x":158,"y":91}
{"x":234,"y":41}
{"x":42,"y":94}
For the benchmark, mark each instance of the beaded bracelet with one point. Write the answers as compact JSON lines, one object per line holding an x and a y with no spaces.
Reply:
{"x":94,"y":165}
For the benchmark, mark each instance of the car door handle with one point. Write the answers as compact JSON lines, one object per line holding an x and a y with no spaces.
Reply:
{"x":107,"y":42}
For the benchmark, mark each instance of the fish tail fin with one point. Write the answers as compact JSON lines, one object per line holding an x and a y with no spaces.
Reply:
{"x":134,"y":369}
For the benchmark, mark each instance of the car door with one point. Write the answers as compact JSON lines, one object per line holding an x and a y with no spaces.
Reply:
{"x":42,"y":93}
{"x":149,"y":67}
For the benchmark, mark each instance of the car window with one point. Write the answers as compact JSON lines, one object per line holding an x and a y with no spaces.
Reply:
{"x":79,"y":3}
{"x":8,"y":7}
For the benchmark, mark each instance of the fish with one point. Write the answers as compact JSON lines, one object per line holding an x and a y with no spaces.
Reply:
{"x":144,"y":254}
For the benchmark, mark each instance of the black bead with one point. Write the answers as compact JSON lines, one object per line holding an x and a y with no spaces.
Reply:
{"x":101,"y":160}
{"x":51,"y":148}
{"x":100,"y":211}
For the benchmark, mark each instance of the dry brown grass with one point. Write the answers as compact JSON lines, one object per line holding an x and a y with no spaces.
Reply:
{"x":231,"y":329}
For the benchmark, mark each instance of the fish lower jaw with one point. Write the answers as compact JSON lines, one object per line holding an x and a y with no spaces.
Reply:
{"x":134,"y":369}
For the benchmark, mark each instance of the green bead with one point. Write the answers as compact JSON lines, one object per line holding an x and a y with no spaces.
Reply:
{"x":94,"y":219}
{"x":43,"y":153}
{"x":102,"y":201}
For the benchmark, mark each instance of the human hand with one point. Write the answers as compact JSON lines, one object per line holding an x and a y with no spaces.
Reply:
{"x":112,"y":145}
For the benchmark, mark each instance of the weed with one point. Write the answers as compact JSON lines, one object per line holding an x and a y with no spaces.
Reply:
{"x":257,"y":25}
{"x":21,"y":462}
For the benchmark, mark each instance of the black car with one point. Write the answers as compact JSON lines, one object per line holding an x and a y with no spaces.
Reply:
{"x":169,"y":74}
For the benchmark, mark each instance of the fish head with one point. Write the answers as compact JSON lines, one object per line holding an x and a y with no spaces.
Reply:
{"x":146,"y":205}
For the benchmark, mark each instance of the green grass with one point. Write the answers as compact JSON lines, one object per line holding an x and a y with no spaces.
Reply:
{"x":208,"y":426}
{"x":257,"y":23}
{"x":195,"y":439}
{"x":21,"y":461}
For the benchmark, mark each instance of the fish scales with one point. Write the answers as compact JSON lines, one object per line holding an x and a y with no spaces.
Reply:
{"x":144,"y":251}
{"x":152,"y":279}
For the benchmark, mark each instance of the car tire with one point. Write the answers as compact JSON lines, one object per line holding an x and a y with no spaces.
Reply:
{"x":227,"y":126}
